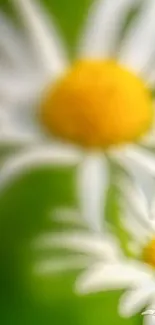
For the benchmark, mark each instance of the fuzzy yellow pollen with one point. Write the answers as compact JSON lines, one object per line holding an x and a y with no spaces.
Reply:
{"x":97,"y":104}
{"x":149,"y":253}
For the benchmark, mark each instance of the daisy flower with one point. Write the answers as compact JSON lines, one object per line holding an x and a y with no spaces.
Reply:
{"x":101,"y":262}
{"x":99,"y":102}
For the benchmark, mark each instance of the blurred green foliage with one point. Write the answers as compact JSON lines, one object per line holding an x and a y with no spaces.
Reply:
{"x":27,"y":299}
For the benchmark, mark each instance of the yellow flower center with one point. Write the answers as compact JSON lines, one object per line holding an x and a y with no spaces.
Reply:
{"x":97,"y":104}
{"x":149,"y":253}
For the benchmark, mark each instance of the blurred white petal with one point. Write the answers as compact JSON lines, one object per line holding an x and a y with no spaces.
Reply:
{"x":136,"y":230}
{"x":80,"y":241}
{"x":135,"y":199}
{"x":102,"y":27}
{"x":63,"y":264}
{"x":67,"y":215}
{"x":152,"y":212}
{"x":102,"y":276}
{"x":148,"y":319}
{"x":142,"y":157}
{"x":41,"y":30}
{"x":20,"y":123}
{"x":150,"y":76}
{"x":134,"y":301}
{"x":135,"y":248}
{"x":3,"y":117}
{"x":20,"y":88}
{"x":149,"y":312}
{"x":14,"y":48}
{"x":10,"y":137}
{"x":34,"y":156}
{"x":21,"y":95}
{"x":139,"y":45}
{"x":21,"y":83}
{"x":148,"y":140}
{"x":93,"y":181}
{"x":140,"y":164}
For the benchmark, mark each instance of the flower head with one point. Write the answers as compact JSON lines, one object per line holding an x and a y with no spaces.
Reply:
{"x":97,"y":103}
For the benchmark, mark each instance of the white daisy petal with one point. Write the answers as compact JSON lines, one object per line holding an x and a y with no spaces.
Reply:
{"x":19,"y":122}
{"x":102,"y":276}
{"x":10,"y":136}
{"x":18,"y":132}
{"x":149,"y":319}
{"x":44,"y":37}
{"x":135,"y":248}
{"x":140,"y":164}
{"x":135,"y":300}
{"x":141,"y":157}
{"x":3,"y":117}
{"x":56,"y":155}
{"x":21,"y":88}
{"x":55,"y":265}
{"x":149,"y":139}
{"x":150,"y":76}
{"x":152,"y":213}
{"x":21,"y":97}
{"x":85,"y":242}
{"x":138,"y":47}
{"x":134,"y":200}
{"x":102,"y":27}
{"x":138,"y":231}
{"x":21,"y":81}
{"x":67,"y":215}
{"x":148,"y":312}
{"x":93,"y":180}
{"x":13,"y":48}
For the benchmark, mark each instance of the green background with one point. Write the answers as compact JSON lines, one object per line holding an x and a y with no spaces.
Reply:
{"x":29,"y":299}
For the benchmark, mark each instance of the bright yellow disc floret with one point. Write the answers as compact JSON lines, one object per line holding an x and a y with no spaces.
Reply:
{"x":97,"y":104}
{"x":149,"y":253}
